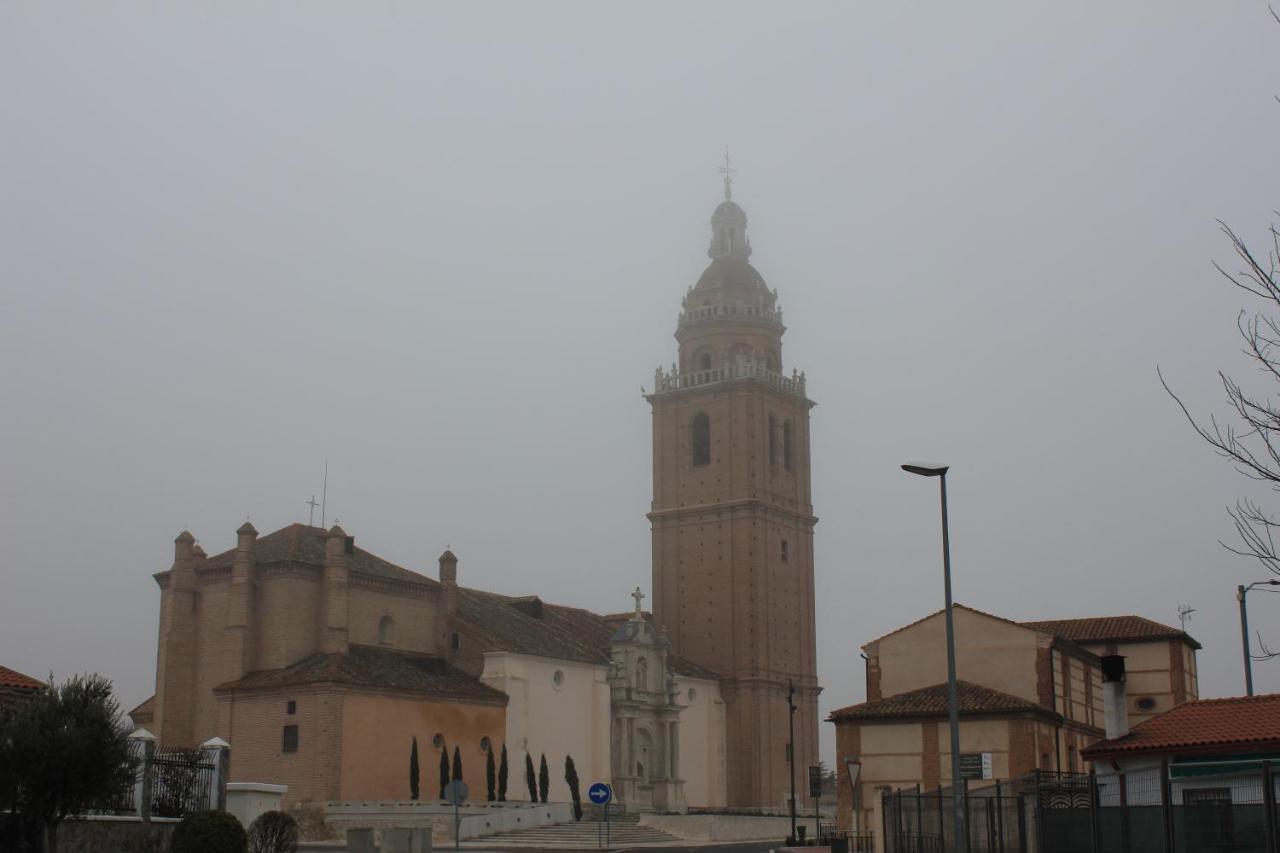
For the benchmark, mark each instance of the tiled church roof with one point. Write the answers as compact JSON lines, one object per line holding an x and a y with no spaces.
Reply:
{"x":932,"y":702}
{"x":507,"y":623}
{"x":300,"y":543}
{"x":1110,"y":629}
{"x":384,"y":669}
{"x":1246,"y":723}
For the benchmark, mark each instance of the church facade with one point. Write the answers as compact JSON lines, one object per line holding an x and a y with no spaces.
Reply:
{"x":732,"y":516}
{"x":322,"y":663}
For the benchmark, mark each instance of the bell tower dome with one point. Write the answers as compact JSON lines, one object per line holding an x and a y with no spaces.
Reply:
{"x":732,"y":519}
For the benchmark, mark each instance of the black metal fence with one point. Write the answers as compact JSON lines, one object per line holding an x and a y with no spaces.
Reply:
{"x":169,"y":782}
{"x":1209,"y":809}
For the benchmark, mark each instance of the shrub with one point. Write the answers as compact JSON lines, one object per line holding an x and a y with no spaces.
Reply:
{"x":273,"y":832}
{"x":209,"y":832}
{"x":571,"y":779}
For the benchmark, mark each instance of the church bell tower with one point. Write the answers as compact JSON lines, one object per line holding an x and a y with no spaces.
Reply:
{"x":732,"y":516}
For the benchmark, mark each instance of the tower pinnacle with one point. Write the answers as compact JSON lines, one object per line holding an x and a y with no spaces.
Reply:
{"x":728,"y":171}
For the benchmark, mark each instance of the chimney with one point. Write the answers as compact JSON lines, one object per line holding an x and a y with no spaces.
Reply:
{"x":338,"y":550}
{"x":1115,"y":704}
{"x":176,"y":660}
{"x":449,"y":583}
{"x":239,"y":626}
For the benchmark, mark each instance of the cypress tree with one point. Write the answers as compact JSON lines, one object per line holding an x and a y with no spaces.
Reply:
{"x":502,"y":776}
{"x":444,"y":767}
{"x":530,"y":779}
{"x":413,"y":770}
{"x":544,"y":779}
{"x":457,"y":765}
{"x":490,"y":775}
{"x":571,"y":778}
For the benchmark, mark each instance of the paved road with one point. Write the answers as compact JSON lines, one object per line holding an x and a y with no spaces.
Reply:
{"x":745,"y":847}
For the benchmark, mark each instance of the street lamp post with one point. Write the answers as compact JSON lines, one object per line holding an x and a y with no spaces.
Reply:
{"x":953,"y":701}
{"x":1241,"y":592}
{"x":791,"y":750}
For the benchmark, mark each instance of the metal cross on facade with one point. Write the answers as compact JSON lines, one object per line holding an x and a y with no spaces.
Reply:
{"x":728,"y":171}
{"x":638,"y":596}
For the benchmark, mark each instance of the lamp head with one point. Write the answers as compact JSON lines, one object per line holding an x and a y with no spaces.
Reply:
{"x":926,"y":469}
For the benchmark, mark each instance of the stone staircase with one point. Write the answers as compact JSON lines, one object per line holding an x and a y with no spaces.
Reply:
{"x":624,"y":831}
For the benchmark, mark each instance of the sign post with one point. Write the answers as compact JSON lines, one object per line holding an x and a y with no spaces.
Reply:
{"x":600,"y":794}
{"x":975,"y":765}
{"x":456,"y":793}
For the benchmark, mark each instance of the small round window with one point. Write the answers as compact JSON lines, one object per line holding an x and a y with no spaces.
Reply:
{"x":437,"y":741}
{"x":557,"y":680}
{"x":1146,"y":703}
{"x":693,"y":694}
{"x":485,"y":744}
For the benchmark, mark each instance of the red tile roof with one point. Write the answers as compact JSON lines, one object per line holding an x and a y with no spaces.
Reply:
{"x":1110,"y":629}
{"x":932,"y":702}
{"x":366,"y":666}
{"x":300,"y":543}
{"x":1205,"y":725}
{"x":13,"y":679}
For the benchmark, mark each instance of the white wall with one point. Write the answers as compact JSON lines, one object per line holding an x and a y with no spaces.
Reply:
{"x":571,"y":718}
{"x":702,"y":744}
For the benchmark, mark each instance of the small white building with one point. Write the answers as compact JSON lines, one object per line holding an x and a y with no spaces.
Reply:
{"x":1208,"y":752}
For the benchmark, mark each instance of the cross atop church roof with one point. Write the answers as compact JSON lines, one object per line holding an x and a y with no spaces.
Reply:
{"x":728,"y":171}
{"x":639,"y":597}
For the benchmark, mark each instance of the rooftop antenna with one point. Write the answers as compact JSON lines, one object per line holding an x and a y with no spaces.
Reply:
{"x":311,"y":517}
{"x":1184,"y":615}
{"x":728,"y":171}
{"x":324,"y":493}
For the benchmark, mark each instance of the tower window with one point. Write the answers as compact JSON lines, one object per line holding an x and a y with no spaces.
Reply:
{"x":786,"y":445}
{"x":786,"y":552}
{"x":773,"y":440}
{"x":702,"y":361}
{"x":291,"y":707}
{"x":701,"y":439}
{"x":289,"y":740}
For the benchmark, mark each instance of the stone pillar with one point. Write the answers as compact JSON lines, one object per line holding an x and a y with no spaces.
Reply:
{"x":338,"y":550}
{"x":218,"y":752}
{"x":675,"y":749}
{"x":239,"y":629}
{"x":174,"y":716}
{"x":143,"y":743}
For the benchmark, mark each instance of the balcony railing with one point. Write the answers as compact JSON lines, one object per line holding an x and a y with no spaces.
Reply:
{"x":736,"y":311}
{"x":665,"y":381}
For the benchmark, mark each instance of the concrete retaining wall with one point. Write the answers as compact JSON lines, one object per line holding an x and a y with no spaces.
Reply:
{"x":107,"y":834}
{"x":718,"y":827}
{"x":476,"y":820}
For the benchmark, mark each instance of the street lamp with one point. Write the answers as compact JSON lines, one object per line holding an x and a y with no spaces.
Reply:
{"x":791,"y":751}
{"x":1241,"y":591}
{"x":953,"y":701}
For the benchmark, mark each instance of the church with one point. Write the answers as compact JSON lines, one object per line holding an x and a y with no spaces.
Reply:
{"x":322,"y":663}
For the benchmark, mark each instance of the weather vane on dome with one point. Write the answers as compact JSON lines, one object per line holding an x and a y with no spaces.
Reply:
{"x":728,"y":171}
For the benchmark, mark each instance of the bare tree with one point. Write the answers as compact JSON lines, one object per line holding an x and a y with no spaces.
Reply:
{"x":1250,"y":437}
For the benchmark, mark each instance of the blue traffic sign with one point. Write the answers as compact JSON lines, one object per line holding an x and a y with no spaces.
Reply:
{"x":600,"y":793}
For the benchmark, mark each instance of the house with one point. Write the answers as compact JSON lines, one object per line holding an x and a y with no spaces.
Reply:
{"x":16,"y":688}
{"x":1210,"y":751}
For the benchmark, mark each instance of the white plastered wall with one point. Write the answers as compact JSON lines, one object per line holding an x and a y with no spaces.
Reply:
{"x":570,"y":717}
{"x":702,"y":760}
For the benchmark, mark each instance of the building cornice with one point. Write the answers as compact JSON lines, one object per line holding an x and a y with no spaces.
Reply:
{"x":730,"y":505}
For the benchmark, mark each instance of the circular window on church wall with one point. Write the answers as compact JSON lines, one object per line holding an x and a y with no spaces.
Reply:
{"x":557,"y":680}
{"x":485,"y":744}
{"x":437,"y":741}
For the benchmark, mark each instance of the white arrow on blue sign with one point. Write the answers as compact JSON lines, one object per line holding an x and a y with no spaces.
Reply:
{"x":600,"y":793}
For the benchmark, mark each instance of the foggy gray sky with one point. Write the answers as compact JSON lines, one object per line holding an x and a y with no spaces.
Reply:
{"x":444,"y":248}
